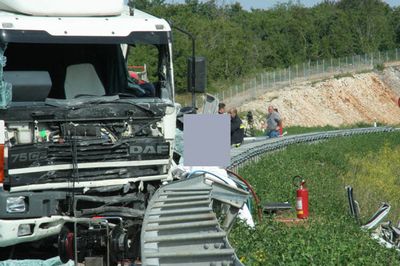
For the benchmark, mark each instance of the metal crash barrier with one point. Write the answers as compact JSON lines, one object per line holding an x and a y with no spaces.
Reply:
{"x":254,"y":148}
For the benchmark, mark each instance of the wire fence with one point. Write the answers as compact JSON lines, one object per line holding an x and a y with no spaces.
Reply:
{"x":238,"y":94}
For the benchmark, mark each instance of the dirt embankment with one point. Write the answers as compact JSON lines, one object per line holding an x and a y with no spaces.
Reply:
{"x":357,"y":98}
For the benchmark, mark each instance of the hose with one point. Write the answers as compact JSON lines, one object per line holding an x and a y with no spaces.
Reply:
{"x":256,"y":198}
{"x":206,"y":172}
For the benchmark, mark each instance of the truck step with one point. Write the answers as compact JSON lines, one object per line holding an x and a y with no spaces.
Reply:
{"x":186,"y":237}
{"x":181,"y":225}
{"x":202,"y":253}
{"x":180,"y":211}
{"x":182,"y":218}
{"x":179,"y":199}
{"x":181,"y":204}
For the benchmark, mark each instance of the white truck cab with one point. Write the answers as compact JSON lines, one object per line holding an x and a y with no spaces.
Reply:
{"x":80,"y":138}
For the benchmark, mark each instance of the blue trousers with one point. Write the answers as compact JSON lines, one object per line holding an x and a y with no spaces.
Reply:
{"x":272,"y":134}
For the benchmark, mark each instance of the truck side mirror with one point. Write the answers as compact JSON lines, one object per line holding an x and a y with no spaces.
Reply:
{"x":200,"y":75}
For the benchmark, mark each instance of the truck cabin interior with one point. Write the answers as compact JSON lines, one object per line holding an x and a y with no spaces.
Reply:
{"x":68,"y":71}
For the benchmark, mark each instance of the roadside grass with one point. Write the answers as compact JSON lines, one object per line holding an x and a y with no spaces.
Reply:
{"x":330,"y":236}
{"x":377,"y":177}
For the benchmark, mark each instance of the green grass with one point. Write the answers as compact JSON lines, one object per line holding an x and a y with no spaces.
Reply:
{"x":330,"y":236}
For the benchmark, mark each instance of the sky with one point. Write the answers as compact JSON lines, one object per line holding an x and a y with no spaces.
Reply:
{"x":264,"y":4}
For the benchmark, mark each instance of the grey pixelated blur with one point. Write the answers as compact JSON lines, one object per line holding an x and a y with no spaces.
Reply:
{"x":206,"y":140}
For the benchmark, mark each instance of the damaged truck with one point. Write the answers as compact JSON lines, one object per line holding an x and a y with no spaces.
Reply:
{"x":86,"y":149}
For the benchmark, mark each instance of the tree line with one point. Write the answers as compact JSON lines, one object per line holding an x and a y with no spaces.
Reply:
{"x":238,"y":42}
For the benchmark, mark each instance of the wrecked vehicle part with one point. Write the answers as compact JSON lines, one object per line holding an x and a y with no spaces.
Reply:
{"x":86,"y":147}
{"x":181,"y":227}
{"x":377,"y":217}
{"x":79,"y":141}
{"x":353,"y":204}
{"x":386,"y":234}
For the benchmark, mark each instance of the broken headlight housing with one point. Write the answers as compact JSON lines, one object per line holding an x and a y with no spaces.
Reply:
{"x":16,"y":204}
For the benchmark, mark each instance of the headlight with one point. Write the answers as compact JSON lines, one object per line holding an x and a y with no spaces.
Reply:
{"x":16,"y":204}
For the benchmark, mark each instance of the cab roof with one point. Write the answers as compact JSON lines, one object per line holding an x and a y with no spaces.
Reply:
{"x":121,"y":25}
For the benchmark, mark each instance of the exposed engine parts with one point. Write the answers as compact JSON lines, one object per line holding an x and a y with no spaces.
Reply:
{"x":98,"y":237}
{"x":56,"y":132}
{"x":34,"y":146}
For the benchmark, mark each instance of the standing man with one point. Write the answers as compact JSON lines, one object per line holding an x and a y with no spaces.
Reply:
{"x":274,"y":122}
{"x":221,"y":108}
{"x":237,"y":128}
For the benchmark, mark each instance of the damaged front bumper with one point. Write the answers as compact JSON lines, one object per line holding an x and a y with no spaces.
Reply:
{"x":14,"y":232}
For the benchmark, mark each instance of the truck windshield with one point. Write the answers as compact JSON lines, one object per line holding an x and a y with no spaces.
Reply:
{"x":38,"y":71}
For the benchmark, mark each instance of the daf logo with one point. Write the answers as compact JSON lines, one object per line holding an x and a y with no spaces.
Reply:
{"x":148,"y":149}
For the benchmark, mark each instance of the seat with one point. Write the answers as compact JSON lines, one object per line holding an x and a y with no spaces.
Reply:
{"x":82,"y":79}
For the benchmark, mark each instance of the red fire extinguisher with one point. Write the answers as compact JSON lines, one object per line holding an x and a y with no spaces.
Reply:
{"x":301,"y":198}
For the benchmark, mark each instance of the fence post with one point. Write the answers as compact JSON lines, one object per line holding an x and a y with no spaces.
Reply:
{"x":323,"y":66}
{"x":223,"y":95}
{"x":297,"y":70}
{"x":372,"y":60}
{"x":317,"y":67}
{"x":274,"y":79}
{"x":304,"y":70}
{"x":396,"y":54}
{"x":255,"y":87}
{"x":267,"y":81}
{"x":262,"y":81}
{"x":290,"y":82}
{"x":284,"y":75}
{"x":339,"y":64}
{"x":237,"y":89}
{"x":379,"y":57}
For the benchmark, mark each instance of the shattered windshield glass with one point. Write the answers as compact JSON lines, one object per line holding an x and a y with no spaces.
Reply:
{"x":68,"y":71}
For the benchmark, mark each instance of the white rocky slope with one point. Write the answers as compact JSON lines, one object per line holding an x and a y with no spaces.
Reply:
{"x":366,"y":97}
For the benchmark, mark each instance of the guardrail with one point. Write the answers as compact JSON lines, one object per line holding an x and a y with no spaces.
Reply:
{"x":254,"y":148}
